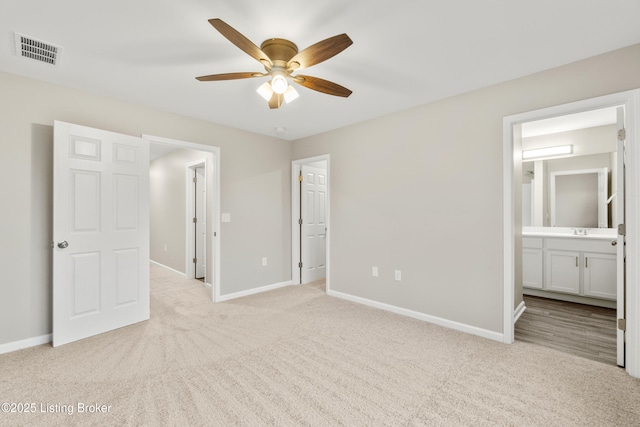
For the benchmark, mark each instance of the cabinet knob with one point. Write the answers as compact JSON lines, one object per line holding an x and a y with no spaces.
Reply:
{"x":614,"y":242}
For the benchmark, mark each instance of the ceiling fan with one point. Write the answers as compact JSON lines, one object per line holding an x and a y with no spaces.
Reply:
{"x":281,"y":59}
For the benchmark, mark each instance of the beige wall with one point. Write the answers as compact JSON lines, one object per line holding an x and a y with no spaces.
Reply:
{"x":167,"y":202}
{"x":255,"y":171}
{"x":421,"y":191}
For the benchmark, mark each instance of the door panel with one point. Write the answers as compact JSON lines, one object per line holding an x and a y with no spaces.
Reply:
{"x":86,"y":283}
{"x":314,"y":201}
{"x":101,"y":232}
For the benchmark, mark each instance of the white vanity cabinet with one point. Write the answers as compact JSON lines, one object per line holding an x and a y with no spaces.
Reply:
{"x":563,"y":271}
{"x":576,"y":266}
{"x":599,"y":269}
{"x":532,"y":272}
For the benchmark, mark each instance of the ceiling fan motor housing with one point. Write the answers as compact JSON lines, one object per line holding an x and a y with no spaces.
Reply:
{"x":280,"y":51}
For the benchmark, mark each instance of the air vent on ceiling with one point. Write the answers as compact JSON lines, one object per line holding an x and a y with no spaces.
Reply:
{"x":31,"y":48}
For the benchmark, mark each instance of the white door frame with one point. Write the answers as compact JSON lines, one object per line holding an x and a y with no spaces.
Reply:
{"x":215,"y":204}
{"x":631,"y":101}
{"x":190,"y":269}
{"x":296,"y":166}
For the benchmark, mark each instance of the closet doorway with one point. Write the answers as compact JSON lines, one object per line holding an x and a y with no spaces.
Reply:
{"x":310,"y":220}
{"x":196,"y":220}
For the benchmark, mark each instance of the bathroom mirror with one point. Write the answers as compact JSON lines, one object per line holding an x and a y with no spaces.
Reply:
{"x":578,"y":198}
{"x":584,"y":180}
{"x":575,"y":191}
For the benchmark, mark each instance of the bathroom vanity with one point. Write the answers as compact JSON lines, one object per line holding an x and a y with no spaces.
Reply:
{"x":571,"y":264}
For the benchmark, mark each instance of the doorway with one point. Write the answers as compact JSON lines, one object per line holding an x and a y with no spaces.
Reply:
{"x":512,"y":215}
{"x":196,"y":220}
{"x":208,"y":237}
{"x":310,"y":220}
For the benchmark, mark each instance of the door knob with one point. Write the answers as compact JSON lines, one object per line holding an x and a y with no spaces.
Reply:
{"x":614,"y":242}
{"x":64,"y":244}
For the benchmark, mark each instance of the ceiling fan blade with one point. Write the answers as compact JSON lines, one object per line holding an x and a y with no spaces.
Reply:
{"x":275,"y":101}
{"x":229,"y":76}
{"x":322,"y":85}
{"x":319,"y":52}
{"x":240,"y":41}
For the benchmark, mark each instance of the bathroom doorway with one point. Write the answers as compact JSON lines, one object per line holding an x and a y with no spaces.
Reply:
{"x":516,"y":265}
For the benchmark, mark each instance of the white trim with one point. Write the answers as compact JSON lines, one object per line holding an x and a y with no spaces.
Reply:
{"x":518,"y":311}
{"x":168,"y":268}
{"x":26,"y":343}
{"x":484,"y":333}
{"x":296,"y":166}
{"x":253,"y":291}
{"x":508,"y":215}
{"x":215,"y":209}
{"x":631,"y":101}
{"x":578,"y":299}
{"x":632,"y":211}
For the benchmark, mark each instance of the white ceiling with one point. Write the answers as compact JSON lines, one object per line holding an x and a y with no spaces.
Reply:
{"x":405,"y":53}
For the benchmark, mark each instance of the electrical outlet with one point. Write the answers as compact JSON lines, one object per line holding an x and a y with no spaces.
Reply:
{"x":397,"y":275}
{"x":165,"y":248}
{"x":374,"y":271}
{"x":225,"y":217}
{"x":264,"y":261}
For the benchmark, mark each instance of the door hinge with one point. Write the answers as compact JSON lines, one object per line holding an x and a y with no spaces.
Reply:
{"x":622,"y":229}
{"x":195,"y":260}
{"x":622,"y":134}
{"x":300,"y":265}
{"x":215,"y":234}
{"x":300,"y":177}
{"x":195,"y":220}
{"x":622,"y":324}
{"x":195,"y":179}
{"x":300,"y":221}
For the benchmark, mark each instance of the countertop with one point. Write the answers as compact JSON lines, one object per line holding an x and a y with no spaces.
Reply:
{"x":568,"y":232}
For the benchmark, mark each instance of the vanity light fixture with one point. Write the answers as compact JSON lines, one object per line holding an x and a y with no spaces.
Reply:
{"x":547,"y":152}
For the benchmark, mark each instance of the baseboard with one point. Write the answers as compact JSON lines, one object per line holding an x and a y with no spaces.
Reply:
{"x":518,"y":311}
{"x":570,"y":298}
{"x":484,"y":333}
{"x":22,"y":344}
{"x":168,"y":268}
{"x":253,"y":291}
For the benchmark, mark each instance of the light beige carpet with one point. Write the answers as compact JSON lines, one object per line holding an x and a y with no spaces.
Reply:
{"x":294,"y":357}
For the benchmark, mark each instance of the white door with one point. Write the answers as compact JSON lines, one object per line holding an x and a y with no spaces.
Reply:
{"x":620,"y":219}
{"x":100,"y":231}
{"x":314,"y":226}
{"x":201,"y":222}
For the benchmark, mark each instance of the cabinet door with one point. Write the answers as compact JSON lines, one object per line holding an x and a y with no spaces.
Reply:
{"x":600,"y":275}
{"x":563,"y":271}
{"x":532,"y":268}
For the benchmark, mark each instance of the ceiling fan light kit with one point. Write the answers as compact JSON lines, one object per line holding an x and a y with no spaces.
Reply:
{"x":281,"y":59}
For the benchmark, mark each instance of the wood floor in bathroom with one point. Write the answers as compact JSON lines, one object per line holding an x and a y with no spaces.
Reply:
{"x":579,"y":329}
